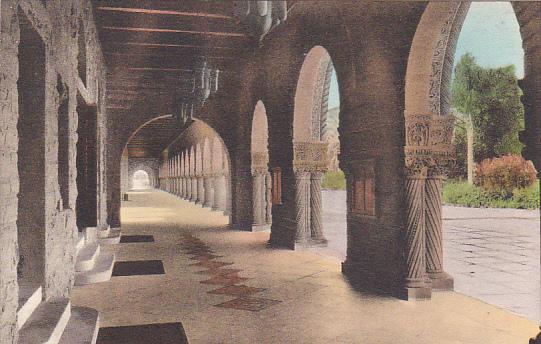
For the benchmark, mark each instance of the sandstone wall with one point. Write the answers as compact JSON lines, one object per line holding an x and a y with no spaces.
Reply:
{"x":58,"y":25}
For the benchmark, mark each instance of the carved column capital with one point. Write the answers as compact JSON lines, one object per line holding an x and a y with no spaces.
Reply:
{"x":310,"y":156}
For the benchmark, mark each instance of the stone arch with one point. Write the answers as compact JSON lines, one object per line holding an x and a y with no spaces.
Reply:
{"x":261,"y":178}
{"x":311,"y":95}
{"x":428,"y":129}
{"x":310,"y":158}
{"x":260,"y":134}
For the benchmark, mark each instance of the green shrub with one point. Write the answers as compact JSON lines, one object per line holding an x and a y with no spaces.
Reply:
{"x":335,"y":180}
{"x":464,"y":194}
{"x":500,"y":176}
{"x":527,"y":198}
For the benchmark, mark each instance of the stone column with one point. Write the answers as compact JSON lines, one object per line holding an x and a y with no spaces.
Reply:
{"x":200,"y":191}
{"x":415,"y":280}
{"x":219,"y":193}
{"x":268,"y":198}
{"x":227,"y":199}
{"x":434,"y":237}
{"x":316,"y":208}
{"x":209,"y":197}
{"x":302,"y":206}
{"x":177,"y":176}
{"x":258,"y":211}
{"x":193,"y":197}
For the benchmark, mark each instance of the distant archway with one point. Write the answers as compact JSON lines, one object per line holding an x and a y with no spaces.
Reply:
{"x":140,"y":180}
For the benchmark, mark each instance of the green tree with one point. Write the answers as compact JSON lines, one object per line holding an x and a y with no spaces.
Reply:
{"x":491,"y":98}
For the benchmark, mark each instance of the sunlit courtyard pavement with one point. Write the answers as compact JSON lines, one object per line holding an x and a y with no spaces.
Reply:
{"x":227,"y":286}
{"x":493,"y":254}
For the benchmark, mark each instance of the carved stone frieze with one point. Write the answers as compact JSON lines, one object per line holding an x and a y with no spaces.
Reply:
{"x":429,"y":149}
{"x":310,"y":156}
{"x":442,"y":59}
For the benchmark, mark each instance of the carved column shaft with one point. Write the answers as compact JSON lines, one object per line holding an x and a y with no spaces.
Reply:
{"x":268,"y":198}
{"x":302,"y":206}
{"x":415,"y":232}
{"x":316,"y":207}
{"x":433,"y":225}
{"x":257,"y":201}
{"x":434,"y":236}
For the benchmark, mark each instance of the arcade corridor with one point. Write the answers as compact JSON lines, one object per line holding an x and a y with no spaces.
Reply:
{"x":220,"y":113}
{"x":300,"y":291}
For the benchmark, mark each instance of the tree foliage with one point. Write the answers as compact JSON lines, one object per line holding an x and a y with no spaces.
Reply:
{"x":491,"y":97}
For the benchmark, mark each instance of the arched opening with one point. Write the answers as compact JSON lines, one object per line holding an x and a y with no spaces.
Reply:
{"x":87,"y":168}
{"x":321,"y":184}
{"x":261,"y":177}
{"x":63,"y":142}
{"x":467,"y":101}
{"x":140,"y":180}
{"x":195,"y":166}
{"x":31,"y":156}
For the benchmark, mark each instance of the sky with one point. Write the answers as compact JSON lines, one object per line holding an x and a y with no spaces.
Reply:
{"x":490,"y":33}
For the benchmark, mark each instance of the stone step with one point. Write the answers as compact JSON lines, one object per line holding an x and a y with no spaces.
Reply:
{"x":46,"y":324}
{"x":101,"y":272}
{"x":80,"y":242}
{"x":29,"y":299}
{"x":111,"y":237}
{"x":82,"y":327}
{"x":87,"y":257}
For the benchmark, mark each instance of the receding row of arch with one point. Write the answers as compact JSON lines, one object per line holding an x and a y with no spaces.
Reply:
{"x":196,"y":167}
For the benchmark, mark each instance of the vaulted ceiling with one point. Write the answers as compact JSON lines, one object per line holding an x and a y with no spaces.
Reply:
{"x":151,"y":48}
{"x":150,"y":140}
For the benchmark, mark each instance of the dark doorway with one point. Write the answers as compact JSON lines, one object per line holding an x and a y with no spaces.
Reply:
{"x":86,"y":206}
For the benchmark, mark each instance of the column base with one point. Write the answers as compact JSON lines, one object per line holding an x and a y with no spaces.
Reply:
{"x":419,"y":293}
{"x":311,"y":243}
{"x":441,"y":281}
{"x":260,"y":228}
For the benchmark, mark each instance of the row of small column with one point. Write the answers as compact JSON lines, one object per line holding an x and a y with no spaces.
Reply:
{"x":206,"y":189}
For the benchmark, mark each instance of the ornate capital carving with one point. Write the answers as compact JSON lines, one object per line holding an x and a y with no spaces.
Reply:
{"x":429,"y":150}
{"x":310,"y":156}
{"x":260,"y":161}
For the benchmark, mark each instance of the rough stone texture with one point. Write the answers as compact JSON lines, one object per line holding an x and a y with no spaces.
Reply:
{"x":57,"y":27}
{"x":373,"y":63}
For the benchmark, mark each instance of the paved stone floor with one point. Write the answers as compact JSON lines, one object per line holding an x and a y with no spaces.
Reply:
{"x":226,"y":286}
{"x":493,"y":254}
